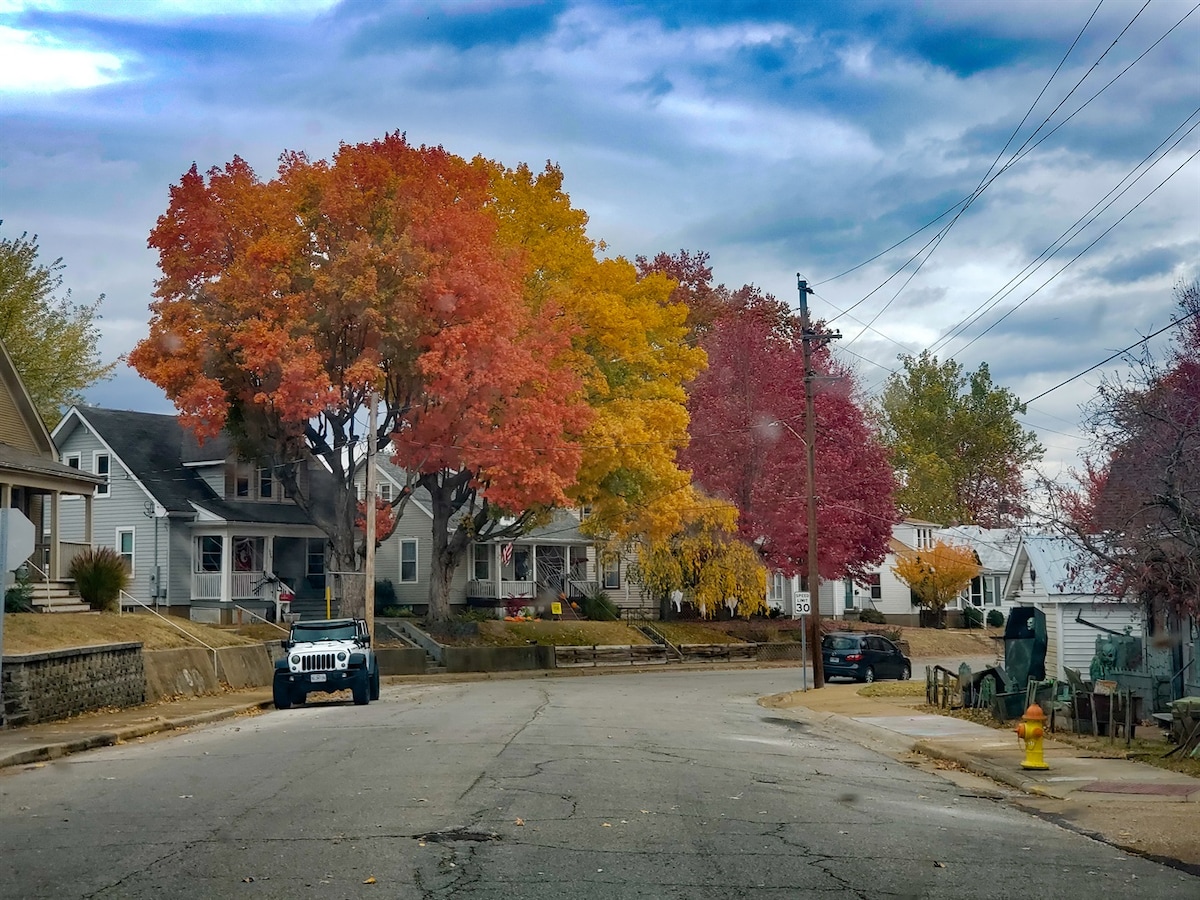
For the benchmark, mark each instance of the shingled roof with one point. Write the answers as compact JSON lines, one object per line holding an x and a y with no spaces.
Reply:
{"x":156,"y":449}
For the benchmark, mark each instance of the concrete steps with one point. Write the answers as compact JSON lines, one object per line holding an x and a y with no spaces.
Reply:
{"x":57,"y":597}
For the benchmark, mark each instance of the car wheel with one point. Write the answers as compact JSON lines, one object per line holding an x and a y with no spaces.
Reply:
{"x":905,"y":672}
{"x":361,"y":689}
{"x":281,"y":693}
{"x":375,"y":685}
{"x":869,"y":675}
{"x":298,"y":697}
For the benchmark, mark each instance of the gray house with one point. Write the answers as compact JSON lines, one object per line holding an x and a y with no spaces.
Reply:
{"x":553,"y":562}
{"x":203,"y":531}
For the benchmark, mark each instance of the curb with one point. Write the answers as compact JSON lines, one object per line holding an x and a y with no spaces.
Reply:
{"x":50,"y":752}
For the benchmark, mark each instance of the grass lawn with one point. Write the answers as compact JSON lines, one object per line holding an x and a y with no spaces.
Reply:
{"x":694,"y":633}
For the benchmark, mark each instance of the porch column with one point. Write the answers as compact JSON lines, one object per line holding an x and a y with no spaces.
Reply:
{"x":88,"y":501}
{"x":55,"y":554}
{"x":6,"y":495}
{"x":497,"y":576}
{"x":226,"y":568}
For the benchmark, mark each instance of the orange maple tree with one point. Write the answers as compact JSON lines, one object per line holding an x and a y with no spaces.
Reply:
{"x":284,"y":304}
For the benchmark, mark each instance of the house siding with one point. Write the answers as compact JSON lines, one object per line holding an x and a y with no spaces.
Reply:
{"x":14,"y":428}
{"x":125,"y":507}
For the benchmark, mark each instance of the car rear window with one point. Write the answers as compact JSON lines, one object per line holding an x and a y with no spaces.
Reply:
{"x":838,"y":643}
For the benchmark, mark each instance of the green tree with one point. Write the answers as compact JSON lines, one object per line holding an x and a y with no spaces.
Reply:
{"x":959,"y":452}
{"x":52,"y":341}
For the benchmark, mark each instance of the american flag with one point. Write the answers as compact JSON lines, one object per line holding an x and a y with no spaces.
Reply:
{"x":506,"y":553}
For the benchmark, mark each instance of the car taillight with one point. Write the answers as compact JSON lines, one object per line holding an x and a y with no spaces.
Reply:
{"x":853,"y":657}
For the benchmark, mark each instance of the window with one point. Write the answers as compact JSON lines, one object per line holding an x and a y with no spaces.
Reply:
{"x":482,"y":570}
{"x":518,"y":567}
{"x":875,"y":585}
{"x":266,"y":484}
{"x":125,"y":547}
{"x":408,"y":560}
{"x":241,"y":487}
{"x":101,"y":464}
{"x":314,"y":566}
{"x":71,"y":459}
{"x":776,"y":586}
{"x":208,"y":556}
{"x":612,"y":574}
{"x":385,"y":491}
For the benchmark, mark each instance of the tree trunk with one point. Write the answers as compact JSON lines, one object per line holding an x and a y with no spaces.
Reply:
{"x":448,"y":549}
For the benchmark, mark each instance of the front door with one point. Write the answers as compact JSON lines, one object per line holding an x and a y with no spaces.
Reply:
{"x":551,"y":568}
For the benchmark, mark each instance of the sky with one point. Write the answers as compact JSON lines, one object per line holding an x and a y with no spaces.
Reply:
{"x":814,"y":138}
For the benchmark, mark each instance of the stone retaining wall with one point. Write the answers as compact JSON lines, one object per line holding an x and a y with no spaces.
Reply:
{"x":58,"y":684}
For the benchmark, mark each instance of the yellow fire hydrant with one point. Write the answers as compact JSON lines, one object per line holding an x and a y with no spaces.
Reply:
{"x":1031,"y":730}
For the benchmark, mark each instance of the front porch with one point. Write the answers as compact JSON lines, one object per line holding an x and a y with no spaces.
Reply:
{"x":261,"y":573}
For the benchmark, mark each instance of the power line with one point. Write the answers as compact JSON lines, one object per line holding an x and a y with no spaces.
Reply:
{"x":1109,"y":359}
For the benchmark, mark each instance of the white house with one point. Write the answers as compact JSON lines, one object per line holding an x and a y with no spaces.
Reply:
{"x":1057,"y":577}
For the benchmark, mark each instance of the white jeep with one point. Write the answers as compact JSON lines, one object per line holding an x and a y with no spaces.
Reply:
{"x":326,"y":655}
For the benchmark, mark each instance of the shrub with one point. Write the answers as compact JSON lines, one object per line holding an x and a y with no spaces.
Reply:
{"x":385,"y":596}
{"x":972,"y":617}
{"x":100,"y":576}
{"x":600,"y":608}
{"x":995,"y":618}
{"x":873,"y":616}
{"x":19,"y":597}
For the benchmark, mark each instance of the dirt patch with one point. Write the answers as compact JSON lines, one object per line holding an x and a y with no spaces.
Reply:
{"x":39,"y":632}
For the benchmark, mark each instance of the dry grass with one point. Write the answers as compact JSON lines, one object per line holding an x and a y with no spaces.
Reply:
{"x":565,"y":634}
{"x":39,"y":632}
{"x":893,"y":689}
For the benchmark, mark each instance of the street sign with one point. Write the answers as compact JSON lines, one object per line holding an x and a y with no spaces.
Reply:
{"x":16,"y":545}
{"x":803,"y":605}
{"x":18,"y":535}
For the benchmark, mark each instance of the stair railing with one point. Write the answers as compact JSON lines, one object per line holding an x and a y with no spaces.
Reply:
{"x":45,"y":578}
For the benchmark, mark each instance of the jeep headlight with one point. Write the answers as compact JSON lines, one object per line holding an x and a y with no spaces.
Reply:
{"x":295,"y":659}
{"x":341,"y":656}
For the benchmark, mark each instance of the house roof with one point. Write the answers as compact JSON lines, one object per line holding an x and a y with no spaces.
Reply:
{"x":995,"y":547}
{"x":13,"y":459}
{"x":154,"y":449}
{"x":1063,"y":567}
{"x":149,"y":446}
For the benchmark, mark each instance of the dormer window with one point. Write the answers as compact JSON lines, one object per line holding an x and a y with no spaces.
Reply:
{"x":102,"y":463}
{"x":266,"y":484}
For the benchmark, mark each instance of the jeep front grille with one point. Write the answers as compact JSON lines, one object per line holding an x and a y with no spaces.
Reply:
{"x":316,"y":662}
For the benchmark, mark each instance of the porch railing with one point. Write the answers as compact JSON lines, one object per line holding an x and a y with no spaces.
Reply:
{"x":207,"y":585}
{"x":488,"y":590}
{"x":67,"y":551}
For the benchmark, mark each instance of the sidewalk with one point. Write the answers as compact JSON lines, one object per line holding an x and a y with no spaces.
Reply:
{"x":1147,"y":810}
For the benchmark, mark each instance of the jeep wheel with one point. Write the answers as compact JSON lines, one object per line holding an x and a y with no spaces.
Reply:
{"x":281,"y":693}
{"x":298,"y":697}
{"x":361,"y":689}
{"x":375,"y":684}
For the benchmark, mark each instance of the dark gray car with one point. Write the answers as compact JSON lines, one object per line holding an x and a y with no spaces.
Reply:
{"x":863,"y":657}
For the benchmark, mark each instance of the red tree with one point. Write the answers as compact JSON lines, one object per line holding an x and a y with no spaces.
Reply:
{"x":284,"y":304}
{"x":1136,"y":506}
{"x":747,"y":414}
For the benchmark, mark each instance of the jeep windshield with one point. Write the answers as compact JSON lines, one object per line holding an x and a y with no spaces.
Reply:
{"x":345,"y":631}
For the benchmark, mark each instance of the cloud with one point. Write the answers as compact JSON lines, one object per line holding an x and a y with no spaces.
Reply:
{"x":37,"y":64}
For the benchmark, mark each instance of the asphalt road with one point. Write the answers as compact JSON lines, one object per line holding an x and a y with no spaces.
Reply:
{"x":671,"y":785}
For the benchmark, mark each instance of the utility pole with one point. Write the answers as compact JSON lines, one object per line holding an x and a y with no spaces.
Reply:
{"x":370,"y":490}
{"x":807,"y":338}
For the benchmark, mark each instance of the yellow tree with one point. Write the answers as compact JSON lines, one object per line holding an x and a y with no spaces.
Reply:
{"x":937,"y":574}
{"x":630,"y":349}
{"x":705,"y":561}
